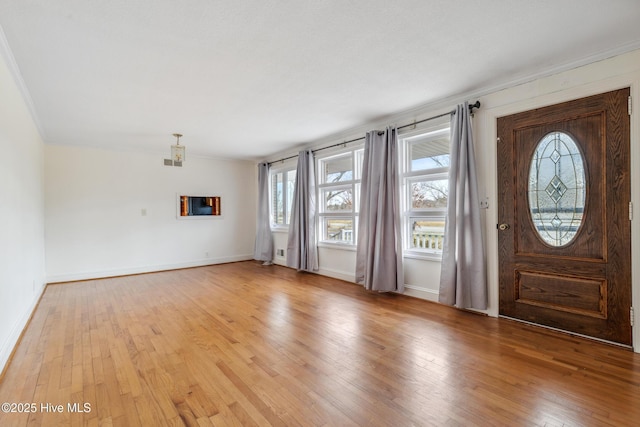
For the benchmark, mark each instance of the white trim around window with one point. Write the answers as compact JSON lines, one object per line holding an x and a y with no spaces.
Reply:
{"x":339,"y":175}
{"x":281,"y":185}
{"x":425,"y":188}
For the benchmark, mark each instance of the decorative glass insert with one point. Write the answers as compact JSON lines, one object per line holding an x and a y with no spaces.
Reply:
{"x":557,"y":188}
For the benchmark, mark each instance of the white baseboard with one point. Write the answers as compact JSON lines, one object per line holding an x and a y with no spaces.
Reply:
{"x":88,"y":275}
{"x":12,"y":340}
{"x":422,"y":293}
{"x":280,"y":260}
{"x":410,"y":290}
{"x":336,"y":274}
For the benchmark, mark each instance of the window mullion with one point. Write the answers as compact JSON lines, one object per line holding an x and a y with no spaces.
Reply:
{"x":424,"y":177}
{"x":341,"y":169}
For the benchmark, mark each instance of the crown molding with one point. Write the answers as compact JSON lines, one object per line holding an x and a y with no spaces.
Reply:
{"x":443,"y":104}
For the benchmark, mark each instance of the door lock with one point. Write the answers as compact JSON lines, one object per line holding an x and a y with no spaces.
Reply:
{"x":503,"y":227}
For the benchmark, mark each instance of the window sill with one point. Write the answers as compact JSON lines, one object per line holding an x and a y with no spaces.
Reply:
{"x":425,"y":256}
{"x":279,"y":229}
{"x":339,"y":246}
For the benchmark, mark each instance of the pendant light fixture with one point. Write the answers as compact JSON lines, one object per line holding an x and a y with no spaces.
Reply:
{"x":177,"y":153}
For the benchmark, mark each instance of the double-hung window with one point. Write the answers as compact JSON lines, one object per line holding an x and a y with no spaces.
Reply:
{"x":338,"y":196}
{"x":426,"y":190}
{"x":282,"y":185}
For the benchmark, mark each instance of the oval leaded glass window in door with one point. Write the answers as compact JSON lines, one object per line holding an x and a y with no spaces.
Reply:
{"x":557,"y":188}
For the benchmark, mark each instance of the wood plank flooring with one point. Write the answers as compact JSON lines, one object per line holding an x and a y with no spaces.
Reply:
{"x":249,"y":345}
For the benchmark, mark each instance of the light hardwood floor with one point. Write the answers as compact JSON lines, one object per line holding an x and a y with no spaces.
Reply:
{"x":243,"y":344}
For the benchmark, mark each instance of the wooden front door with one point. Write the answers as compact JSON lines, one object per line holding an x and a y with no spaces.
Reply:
{"x":564,"y":216}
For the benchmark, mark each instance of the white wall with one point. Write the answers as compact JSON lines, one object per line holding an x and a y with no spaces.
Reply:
{"x":22,"y":260}
{"x":422,"y":276}
{"x":113,"y":212}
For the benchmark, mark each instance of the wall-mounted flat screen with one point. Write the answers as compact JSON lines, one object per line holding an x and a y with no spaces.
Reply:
{"x":200,"y":206}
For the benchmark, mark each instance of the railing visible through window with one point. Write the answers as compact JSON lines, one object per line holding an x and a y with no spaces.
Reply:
{"x":425,"y":181}
{"x":339,"y":187}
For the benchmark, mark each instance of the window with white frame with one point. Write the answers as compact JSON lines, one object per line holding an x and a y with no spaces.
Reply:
{"x":282,"y":185}
{"x":338,"y":195}
{"x":426,"y":190}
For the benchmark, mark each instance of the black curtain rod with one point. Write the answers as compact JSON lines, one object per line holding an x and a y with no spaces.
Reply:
{"x":344,"y":143}
{"x":471,"y":107}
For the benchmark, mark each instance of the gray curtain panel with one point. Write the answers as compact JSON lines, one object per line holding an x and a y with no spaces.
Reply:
{"x":302,"y":251}
{"x":379,"y":249}
{"x":463,"y":280}
{"x":263,"y":249}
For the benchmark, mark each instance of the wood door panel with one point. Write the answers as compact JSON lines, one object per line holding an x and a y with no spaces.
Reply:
{"x":509,"y":297}
{"x":580,"y":295}
{"x":582,"y":285}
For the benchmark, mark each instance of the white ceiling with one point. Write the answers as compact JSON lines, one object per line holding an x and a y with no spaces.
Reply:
{"x":250,"y":78}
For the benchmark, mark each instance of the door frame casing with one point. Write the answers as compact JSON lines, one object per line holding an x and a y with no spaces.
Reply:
{"x":486,"y":127}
